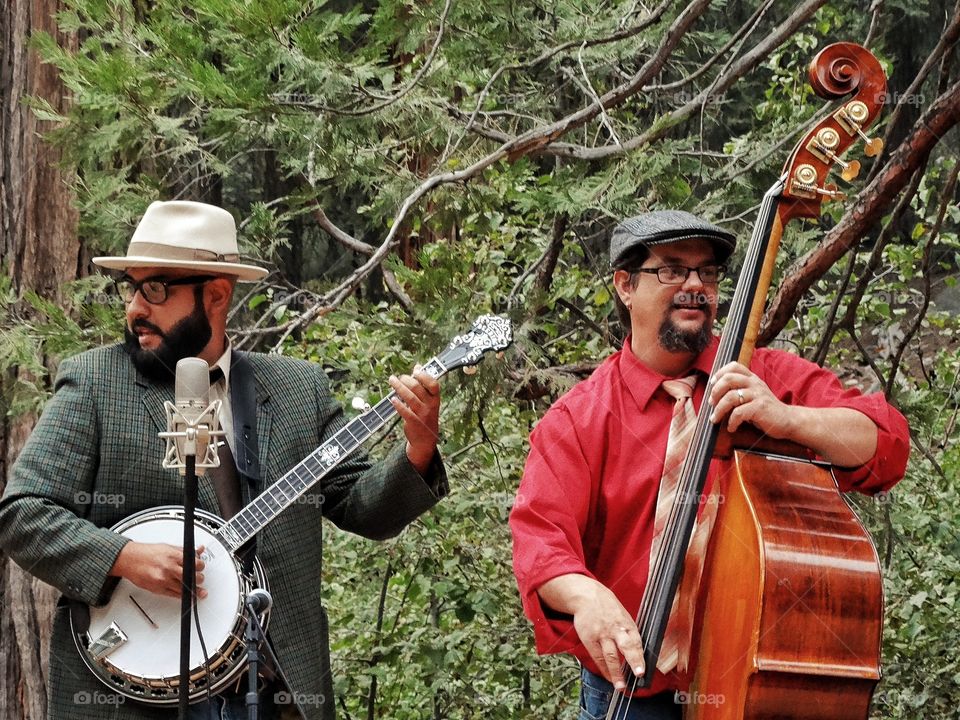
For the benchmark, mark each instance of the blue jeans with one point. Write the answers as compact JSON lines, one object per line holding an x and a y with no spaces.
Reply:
{"x":596,"y":694}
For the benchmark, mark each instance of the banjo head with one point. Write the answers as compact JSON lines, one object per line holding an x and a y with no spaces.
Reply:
{"x":133,"y":642}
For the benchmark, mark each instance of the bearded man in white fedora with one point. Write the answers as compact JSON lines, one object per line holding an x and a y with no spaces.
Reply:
{"x":94,"y":459}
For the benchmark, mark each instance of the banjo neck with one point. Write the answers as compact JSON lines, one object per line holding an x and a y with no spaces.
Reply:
{"x":489,"y":333}
{"x":263,"y":509}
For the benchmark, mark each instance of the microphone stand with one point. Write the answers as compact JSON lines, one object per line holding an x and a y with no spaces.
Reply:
{"x":189,"y":585}
{"x":256,"y":602}
{"x":199,"y":420}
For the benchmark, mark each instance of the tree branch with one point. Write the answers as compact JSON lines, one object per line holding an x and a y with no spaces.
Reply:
{"x":945,"y":198}
{"x":951,"y":34}
{"x":525,"y":144}
{"x":660,"y":127}
{"x":870,"y":204}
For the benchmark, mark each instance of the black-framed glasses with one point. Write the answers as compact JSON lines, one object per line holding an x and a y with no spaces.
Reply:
{"x":154,"y":290}
{"x":678,"y":274}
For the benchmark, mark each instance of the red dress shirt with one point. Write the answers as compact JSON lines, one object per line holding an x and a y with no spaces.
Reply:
{"x":588,"y":496}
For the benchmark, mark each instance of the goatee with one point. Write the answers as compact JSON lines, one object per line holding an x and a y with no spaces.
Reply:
{"x":185,"y":339}
{"x":673,"y":339}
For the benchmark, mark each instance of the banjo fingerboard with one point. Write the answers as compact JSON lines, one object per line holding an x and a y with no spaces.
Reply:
{"x":309,"y":471}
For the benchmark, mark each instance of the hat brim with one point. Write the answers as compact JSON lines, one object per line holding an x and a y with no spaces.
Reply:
{"x":239,"y":270}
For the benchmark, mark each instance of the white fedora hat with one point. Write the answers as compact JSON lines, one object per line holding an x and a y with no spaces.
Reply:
{"x":183,"y":234}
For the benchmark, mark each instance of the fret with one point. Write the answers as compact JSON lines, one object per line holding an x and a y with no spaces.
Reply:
{"x":256,"y":511}
{"x":271,"y":502}
{"x":434,"y":368}
{"x":301,"y":482}
{"x":370,"y":424}
{"x":346,"y":429}
{"x":489,"y":333}
{"x":313,"y":468}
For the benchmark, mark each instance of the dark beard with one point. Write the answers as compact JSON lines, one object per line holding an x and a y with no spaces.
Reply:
{"x":675,"y":340}
{"x":185,"y":339}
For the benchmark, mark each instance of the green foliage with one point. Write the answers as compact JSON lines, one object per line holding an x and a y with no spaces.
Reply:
{"x":276,"y":109}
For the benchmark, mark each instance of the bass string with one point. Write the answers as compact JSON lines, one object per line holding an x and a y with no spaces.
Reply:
{"x":726,"y":352}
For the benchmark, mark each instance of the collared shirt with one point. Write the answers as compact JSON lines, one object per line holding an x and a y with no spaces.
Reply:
{"x":220,"y":391}
{"x":587,"y":500}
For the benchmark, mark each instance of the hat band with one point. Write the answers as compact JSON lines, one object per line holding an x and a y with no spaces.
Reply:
{"x":174,"y":252}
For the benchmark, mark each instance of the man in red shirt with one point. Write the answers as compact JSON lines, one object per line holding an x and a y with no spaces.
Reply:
{"x":583,"y":521}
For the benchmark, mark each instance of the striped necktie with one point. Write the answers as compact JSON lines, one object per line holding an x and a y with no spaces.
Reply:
{"x":675,"y":651}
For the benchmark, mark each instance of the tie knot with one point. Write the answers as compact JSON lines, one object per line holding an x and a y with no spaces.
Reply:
{"x":681,"y":388}
{"x":216,"y":375}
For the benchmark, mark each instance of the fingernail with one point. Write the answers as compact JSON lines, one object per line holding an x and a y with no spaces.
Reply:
{"x":620,"y":685}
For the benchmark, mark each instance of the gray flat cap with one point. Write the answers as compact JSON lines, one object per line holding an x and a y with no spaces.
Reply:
{"x":666,"y":226}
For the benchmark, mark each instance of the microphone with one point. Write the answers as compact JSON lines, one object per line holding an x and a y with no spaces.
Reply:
{"x":259,"y":600}
{"x":192,"y":421}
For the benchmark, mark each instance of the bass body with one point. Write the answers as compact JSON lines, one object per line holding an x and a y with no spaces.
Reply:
{"x":792,"y":601}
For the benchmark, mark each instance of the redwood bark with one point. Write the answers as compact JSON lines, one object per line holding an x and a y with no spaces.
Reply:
{"x":40,"y":252}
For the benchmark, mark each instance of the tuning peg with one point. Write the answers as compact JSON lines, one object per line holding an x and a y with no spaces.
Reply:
{"x":823,"y":144}
{"x":851,"y":118}
{"x":830,"y":193}
{"x":850,"y":169}
{"x":872,"y":146}
{"x":470,"y":370}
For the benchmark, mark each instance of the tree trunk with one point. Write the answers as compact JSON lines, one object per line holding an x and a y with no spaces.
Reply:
{"x":40,"y":251}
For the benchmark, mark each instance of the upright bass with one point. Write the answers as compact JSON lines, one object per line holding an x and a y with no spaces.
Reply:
{"x":791,"y":605}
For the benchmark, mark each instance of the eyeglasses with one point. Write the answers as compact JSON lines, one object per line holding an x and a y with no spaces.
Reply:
{"x":678,"y":274}
{"x":153,"y":289}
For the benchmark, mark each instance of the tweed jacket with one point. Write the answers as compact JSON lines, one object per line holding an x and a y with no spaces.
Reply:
{"x":94,"y":459}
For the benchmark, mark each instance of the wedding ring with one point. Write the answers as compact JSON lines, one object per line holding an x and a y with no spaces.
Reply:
{"x":740,"y":395}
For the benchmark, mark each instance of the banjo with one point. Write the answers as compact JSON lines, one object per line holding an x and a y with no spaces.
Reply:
{"x":132,"y":643}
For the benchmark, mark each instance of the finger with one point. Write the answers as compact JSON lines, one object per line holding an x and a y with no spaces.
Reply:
{"x":631,"y":647}
{"x":408,"y":389}
{"x":404,"y":411}
{"x":738,"y":416}
{"x":613,"y":663}
{"x":730,"y":376}
{"x":731,"y":400}
{"x":429,"y":383}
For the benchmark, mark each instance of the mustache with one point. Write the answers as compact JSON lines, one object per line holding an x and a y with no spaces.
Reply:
{"x":140,"y":323}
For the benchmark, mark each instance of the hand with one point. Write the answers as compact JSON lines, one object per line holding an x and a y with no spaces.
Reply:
{"x":603,"y":625}
{"x":739,"y":396}
{"x":610,"y":635}
{"x":417,"y":401}
{"x":156,"y":567}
